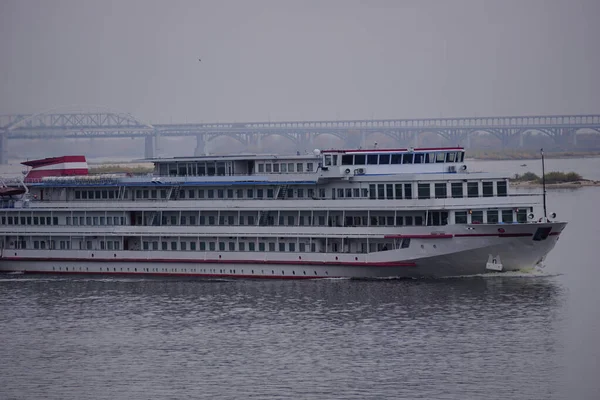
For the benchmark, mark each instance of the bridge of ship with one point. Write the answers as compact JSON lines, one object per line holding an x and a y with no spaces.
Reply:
{"x":457,"y":131}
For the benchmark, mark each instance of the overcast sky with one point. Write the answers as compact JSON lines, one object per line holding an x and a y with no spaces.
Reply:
{"x":294,"y":60}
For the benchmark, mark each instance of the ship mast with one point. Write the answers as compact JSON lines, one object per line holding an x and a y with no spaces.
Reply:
{"x":544,"y":185}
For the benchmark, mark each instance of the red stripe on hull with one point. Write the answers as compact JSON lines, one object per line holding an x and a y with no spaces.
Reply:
{"x":493,"y":234}
{"x":448,"y":236}
{"x":220,"y":261}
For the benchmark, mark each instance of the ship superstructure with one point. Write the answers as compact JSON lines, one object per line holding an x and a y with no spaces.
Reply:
{"x":334,"y":213}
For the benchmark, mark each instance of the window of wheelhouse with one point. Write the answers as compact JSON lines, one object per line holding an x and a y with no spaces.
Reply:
{"x":396,"y":158}
{"x":450,"y":157}
{"x":440,"y":157}
{"x":384,"y":159}
{"x":372,"y":159}
{"x":348,"y":159}
{"x":407,"y":158}
{"x":419,"y":158}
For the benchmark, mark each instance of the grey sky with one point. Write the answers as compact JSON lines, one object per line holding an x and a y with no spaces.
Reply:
{"x":305,"y":59}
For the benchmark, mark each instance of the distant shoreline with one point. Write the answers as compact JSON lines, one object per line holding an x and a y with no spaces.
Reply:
{"x":522,"y":156}
{"x":562,"y":185}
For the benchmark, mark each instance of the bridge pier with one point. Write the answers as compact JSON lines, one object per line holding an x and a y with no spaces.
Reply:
{"x":305,"y":143}
{"x":3,"y":148}
{"x":149,"y":142}
{"x":200,"y":145}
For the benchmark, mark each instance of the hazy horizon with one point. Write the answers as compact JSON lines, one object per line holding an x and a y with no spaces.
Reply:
{"x":284,"y":60}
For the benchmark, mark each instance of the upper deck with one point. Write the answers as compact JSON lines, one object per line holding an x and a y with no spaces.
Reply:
{"x":318,"y":167}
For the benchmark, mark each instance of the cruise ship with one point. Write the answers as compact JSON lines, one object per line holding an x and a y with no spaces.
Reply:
{"x":364,"y":213}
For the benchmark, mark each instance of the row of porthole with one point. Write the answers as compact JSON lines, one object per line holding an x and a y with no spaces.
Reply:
{"x":221,"y":271}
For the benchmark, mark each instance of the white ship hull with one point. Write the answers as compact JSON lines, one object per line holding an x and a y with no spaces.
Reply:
{"x":482,"y":249}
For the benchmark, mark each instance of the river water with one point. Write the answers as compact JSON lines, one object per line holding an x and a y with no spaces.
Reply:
{"x":528,"y":335}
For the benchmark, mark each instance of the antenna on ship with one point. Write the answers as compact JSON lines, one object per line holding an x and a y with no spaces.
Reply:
{"x":544,"y":185}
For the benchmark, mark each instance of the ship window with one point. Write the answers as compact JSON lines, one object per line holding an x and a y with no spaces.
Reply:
{"x":418,"y":220}
{"x":210,"y":168}
{"x":281,"y":246}
{"x":381,"y":220}
{"x":372,"y":159}
{"x":271,"y":246}
{"x":210,"y":193}
{"x":261,"y":167}
{"x":477,"y":217}
{"x":440,"y":191}
{"x":275,"y":167}
{"x":501,"y":188}
{"x":327,"y":160}
{"x":202,"y":246}
{"x":84,"y":195}
{"x":231,"y":246}
{"x":460,"y":217}
{"x":220,"y":193}
{"x":488,"y":189}
{"x":399,"y":220}
{"x":407,"y":158}
{"x":389,"y":190}
{"x":360,"y":159}
{"x":154,"y":245}
{"x":268,"y":168}
{"x":173,"y":245}
{"x":302,"y":247}
{"x":408,"y":191}
{"x":283,"y":167}
{"x":54,"y":220}
{"x":450,"y":157}
{"x":457,"y":189}
{"x":259,"y":193}
{"x":473,"y":189}
{"x":299,"y":167}
{"x":290,"y":167}
{"x":300,"y":193}
{"x":146,"y":246}
{"x":250,"y":219}
{"x":348,"y":192}
{"x":77,"y":195}
{"x":192,"y":220}
{"x":270,"y":193}
{"x":211,"y":220}
{"x":390,"y":221}
{"x":409,"y":220}
{"x":222,"y":246}
{"x":522,"y":215}
{"x":384,"y":159}
{"x":424,"y":190}
{"x":251,"y":246}
{"x":347,"y":159}
{"x":405,"y":243}
{"x":239,"y":193}
{"x":372,"y":192}
{"x":222,"y":220}
{"x":396,"y":158}
{"x":381,"y":191}
{"x":507,"y":216}
{"x":230,"y":220}
{"x":102,"y":221}
{"x":439,"y":157}
{"x":492,"y":216}
{"x":340,"y":192}
{"x":419,"y":158}
{"x":261,"y":246}
{"x":291,"y":220}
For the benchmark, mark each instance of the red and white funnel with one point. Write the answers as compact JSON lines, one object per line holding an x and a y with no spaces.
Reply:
{"x":56,"y":166}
